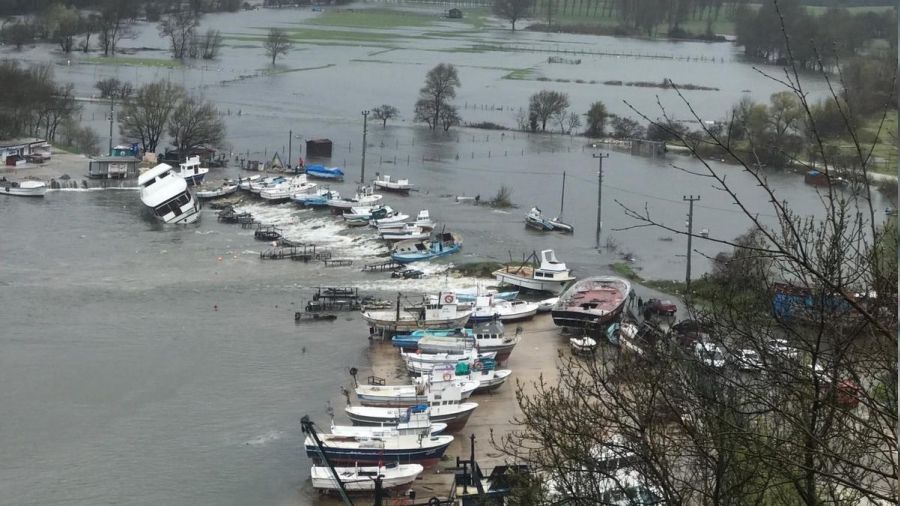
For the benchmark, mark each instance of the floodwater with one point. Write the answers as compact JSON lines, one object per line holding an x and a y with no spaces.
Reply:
{"x":145,"y":364}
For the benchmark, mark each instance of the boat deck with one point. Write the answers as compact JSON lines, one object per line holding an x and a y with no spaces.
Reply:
{"x":605,"y":298}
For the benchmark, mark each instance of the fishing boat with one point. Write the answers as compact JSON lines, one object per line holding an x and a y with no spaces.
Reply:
{"x":226,"y":188}
{"x":403,"y":449}
{"x":362,"y":479}
{"x":363,"y":197}
{"x":245,"y":182}
{"x":414,"y":421}
{"x":582,"y":345}
{"x":410,"y":395}
{"x":470,"y":294}
{"x":489,"y":308}
{"x":392,"y":185}
{"x":167,"y":196}
{"x":29,"y":188}
{"x":261,"y":184}
{"x":191,"y":170}
{"x":405,"y":233}
{"x":546,"y":305}
{"x":297,"y":185}
{"x":534,"y":219}
{"x":424,"y":363}
{"x":445,"y":243}
{"x":487,"y":337}
{"x":322,"y":172}
{"x":317,"y":198}
{"x":454,"y":414}
{"x":440,"y":314}
{"x":592,"y":301}
{"x":550,"y":275}
{"x":411,"y":341}
{"x":423,"y":220}
{"x":485,"y":372}
{"x":358,"y":216}
{"x":561,"y":226}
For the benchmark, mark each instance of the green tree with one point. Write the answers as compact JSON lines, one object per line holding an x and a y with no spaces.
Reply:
{"x":596,"y":119}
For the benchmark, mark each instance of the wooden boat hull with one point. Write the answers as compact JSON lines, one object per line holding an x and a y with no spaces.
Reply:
{"x":591,"y":302}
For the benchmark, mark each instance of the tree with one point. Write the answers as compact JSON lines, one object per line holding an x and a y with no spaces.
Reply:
{"x":64,"y":23}
{"x":812,"y":420}
{"x":145,"y":117}
{"x":195,"y":122}
{"x":440,"y":86}
{"x":209,"y":44}
{"x":785,"y":112}
{"x":512,"y":10}
{"x":18,"y":34}
{"x":113,"y":24}
{"x":109,"y":88}
{"x":179,"y":28}
{"x":384,"y":113}
{"x":449,"y":116}
{"x":596,"y":119}
{"x":573,"y":122}
{"x":546,"y":104}
{"x":626,"y":128}
{"x":90,"y":24}
{"x":277,"y":42}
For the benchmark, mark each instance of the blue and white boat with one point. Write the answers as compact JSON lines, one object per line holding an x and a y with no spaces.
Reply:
{"x":411,"y":341}
{"x":470,"y":294}
{"x":534,"y":219}
{"x":400,"y":448}
{"x":445,"y":243}
{"x":318,"y":199}
{"x":323,"y":172}
{"x":398,"y":396}
{"x":191,"y":171}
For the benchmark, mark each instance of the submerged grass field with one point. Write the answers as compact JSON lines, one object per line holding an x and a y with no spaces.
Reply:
{"x":372,"y":18}
{"x":128,"y":60}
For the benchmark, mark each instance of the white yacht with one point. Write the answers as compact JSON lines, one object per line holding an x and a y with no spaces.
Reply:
{"x":551,"y":276}
{"x":27,"y":188}
{"x":297,"y":185}
{"x":167,"y":195}
{"x":191,"y":170}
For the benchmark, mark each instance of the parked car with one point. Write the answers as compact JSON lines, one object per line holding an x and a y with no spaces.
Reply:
{"x":747,"y":360}
{"x":709,"y":353}
{"x":780,"y":348}
{"x":659,"y":307}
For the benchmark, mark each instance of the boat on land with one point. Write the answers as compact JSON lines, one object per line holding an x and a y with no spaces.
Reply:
{"x":403,"y":449}
{"x":445,"y":243}
{"x":323,"y":172}
{"x":485,"y":372}
{"x":297,"y":185}
{"x":363,"y":197}
{"x":386,"y":183}
{"x":546,"y":305}
{"x":488,"y":308}
{"x":423,"y":220}
{"x":582,"y":345}
{"x":485,"y":337}
{"x":405,"y":233}
{"x":470,"y":294}
{"x":245,"y":182}
{"x":534,"y":219}
{"x":550,"y":275}
{"x":442,"y":313}
{"x":411,"y":395}
{"x":387,"y":222}
{"x":261,"y":184}
{"x":191,"y":170}
{"x":358,"y":216}
{"x":592,"y":301}
{"x":318,"y":198}
{"x":226,"y":188}
{"x":362,"y":479}
{"x":167,"y":195}
{"x":414,"y":421}
{"x":424,"y":363}
{"x":449,"y":411}
{"x":314,"y":317}
{"x":28,"y":188}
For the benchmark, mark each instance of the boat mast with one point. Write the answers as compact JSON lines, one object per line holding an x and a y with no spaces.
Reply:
{"x":562,"y":198}
{"x":307,"y":427}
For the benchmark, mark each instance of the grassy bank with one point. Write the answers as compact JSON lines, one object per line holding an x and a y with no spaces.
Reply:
{"x":128,"y":60}
{"x":478,"y":269}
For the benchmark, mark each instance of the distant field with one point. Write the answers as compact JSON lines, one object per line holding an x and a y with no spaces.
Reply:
{"x":128,"y":60}
{"x":372,"y":18}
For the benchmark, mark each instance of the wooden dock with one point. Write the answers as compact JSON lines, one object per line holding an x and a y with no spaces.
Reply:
{"x":302,"y":253}
{"x":390,"y":265}
{"x":338,"y":262}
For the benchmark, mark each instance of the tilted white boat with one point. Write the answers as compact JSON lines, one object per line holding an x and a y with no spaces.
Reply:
{"x":362,"y":479}
{"x":227,"y":188}
{"x":28,"y":188}
{"x":423,"y":220}
{"x":489,"y":308}
{"x":167,"y":195}
{"x":582,"y":345}
{"x":395,"y":221}
{"x":410,"y":395}
{"x":551,"y":276}
{"x":245,"y":182}
{"x":321,"y":195}
{"x":485,"y":373}
{"x":443,"y":314}
{"x":393,"y":185}
{"x":405,"y":233}
{"x":293,"y":186}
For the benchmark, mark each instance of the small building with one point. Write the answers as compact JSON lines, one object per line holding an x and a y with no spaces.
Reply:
{"x":13,"y":152}
{"x":113,"y":167}
{"x":207,"y":155}
{"x":454,"y":13}
{"x":318,"y":148}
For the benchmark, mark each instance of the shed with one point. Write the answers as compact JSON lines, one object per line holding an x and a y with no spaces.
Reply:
{"x":113,"y":167}
{"x":14,"y":151}
{"x":318,"y":148}
{"x":454,"y":13}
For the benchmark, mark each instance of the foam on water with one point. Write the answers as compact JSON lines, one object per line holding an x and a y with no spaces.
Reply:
{"x":121,"y":188}
{"x":264,"y":439}
{"x":437,"y":279}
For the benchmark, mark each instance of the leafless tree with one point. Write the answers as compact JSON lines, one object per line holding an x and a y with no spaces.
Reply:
{"x":384,"y":113}
{"x":209,"y":44}
{"x":512,"y":10}
{"x":145,"y":117}
{"x":277,"y":42}
{"x":114,"y":24}
{"x":179,"y":27}
{"x":440,"y":87}
{"x":195,"y":122}
{"x":547,"y":104}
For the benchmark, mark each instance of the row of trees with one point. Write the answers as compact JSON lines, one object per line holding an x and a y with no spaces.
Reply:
{"x":164,"y":107}
{"x":798,"y":404}
{"x":822,"y":40}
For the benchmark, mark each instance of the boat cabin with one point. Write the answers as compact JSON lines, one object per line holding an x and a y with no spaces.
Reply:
{"x":551,"y":268}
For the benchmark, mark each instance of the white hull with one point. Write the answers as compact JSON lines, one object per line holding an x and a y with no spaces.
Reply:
{"x":540,"y":285}
{"x":386,"y":321}
{"x":347,"y":204}
{"x":167,"y":197}
{"x":218,"y":192}
{"x":24,"y":192}
{"x":362,"y":479}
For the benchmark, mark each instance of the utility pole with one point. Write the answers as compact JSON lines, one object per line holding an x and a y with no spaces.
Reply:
{"x":362,"y":175}
{"x":290,"y":147}
{"x":690,"y":224}
{"x":112,"y":104}
{"x":600,"y":158}
{"x":562,"y":198}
